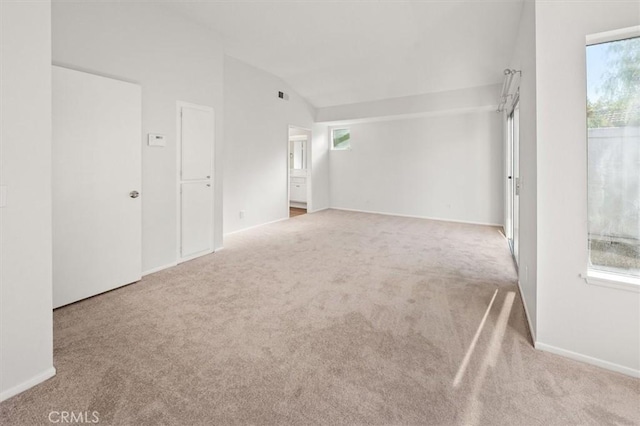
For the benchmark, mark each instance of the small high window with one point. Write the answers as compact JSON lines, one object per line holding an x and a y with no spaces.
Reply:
{"x":613,"y":126}
{"x":340,"y":139}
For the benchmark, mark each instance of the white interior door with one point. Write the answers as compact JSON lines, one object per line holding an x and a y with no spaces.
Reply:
{"x":197,"y":143}
{"x":196,"y":221}
{"x":96,"y":169}
{"x":196,"y":138}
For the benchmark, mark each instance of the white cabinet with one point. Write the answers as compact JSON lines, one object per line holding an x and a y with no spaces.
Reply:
{"x":298,"y":189}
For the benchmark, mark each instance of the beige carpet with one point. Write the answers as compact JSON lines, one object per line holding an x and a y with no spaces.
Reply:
{"x":327,"y":318}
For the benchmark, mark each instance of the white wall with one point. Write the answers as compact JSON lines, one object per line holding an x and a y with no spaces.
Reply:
{"x":256,"y":144}
{"x":597,"y":324}
{"x":26,"y":340}
{"x":320,"y":170}
{"x":525,"y":60}
{"x":173,"y":60}
{"x":447,"y":167}
{"x":467,"y":99}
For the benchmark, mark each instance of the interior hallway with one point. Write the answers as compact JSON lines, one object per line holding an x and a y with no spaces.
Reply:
{"x":295,"y":211}
{"x":332,"y":318}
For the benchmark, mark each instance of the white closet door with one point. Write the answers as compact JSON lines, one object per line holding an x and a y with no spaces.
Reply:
{"x":96,"y":169}
{"x":197,"y":214}
{"x":196,"y":191}
{"x":197,"y":139}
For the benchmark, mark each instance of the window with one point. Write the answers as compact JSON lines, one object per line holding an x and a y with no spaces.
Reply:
{"x":613,"y":126}
{"x":340,"y":139}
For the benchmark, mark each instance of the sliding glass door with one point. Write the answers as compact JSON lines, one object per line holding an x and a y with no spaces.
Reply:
{"x":513,"y":179}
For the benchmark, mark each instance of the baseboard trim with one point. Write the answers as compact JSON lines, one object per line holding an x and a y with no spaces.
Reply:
{"x":194,"y":256}
{"x":532,"y":331}
{"x":319,"y":210}
{"x":37,"y":379}
{"x":440,"y":219}
{"x":255,"y":226}
{"x":588,"y":359}
{"x":159,"y":268}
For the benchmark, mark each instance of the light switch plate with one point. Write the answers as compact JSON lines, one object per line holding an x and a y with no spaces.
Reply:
{"x":3,"y":195}
{"x":156,"y":139}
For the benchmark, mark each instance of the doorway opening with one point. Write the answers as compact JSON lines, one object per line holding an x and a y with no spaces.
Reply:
{"x":298,"y":170}
{"x":513,"y":179}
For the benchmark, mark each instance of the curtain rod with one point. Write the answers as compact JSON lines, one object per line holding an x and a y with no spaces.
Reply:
{"x":506,"y":85}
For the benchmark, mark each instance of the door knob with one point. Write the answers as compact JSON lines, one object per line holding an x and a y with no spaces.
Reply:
{"x":134,"y":194}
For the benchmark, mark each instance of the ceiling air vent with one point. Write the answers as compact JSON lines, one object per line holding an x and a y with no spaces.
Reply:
{"x":283,"y":95}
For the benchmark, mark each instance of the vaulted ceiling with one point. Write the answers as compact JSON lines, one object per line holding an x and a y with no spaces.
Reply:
{"x":341,"y":52}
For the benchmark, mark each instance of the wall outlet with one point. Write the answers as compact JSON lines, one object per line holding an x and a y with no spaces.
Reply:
{"x":241,"y":214}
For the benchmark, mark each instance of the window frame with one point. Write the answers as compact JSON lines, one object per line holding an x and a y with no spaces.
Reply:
{"x":593,"y":276}
{"x":333,"y":129}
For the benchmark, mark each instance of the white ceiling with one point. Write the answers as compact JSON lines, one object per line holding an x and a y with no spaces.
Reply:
{"x":341,"y":52}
